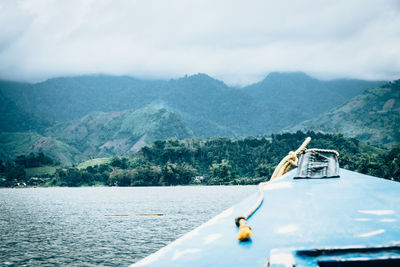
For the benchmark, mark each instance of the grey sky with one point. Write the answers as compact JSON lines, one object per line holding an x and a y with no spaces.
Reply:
{"x":236,"y":41}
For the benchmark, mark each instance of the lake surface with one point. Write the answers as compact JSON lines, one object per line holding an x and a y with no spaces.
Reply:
{"x":67,"y":226}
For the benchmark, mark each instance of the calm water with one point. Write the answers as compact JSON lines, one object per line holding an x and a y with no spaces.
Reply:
{"x":67,"y":226}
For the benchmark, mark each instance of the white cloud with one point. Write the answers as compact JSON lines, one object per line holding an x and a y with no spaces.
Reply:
{"x":237,"y":41}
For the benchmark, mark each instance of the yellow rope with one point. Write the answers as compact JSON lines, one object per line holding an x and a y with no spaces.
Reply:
{"x":283,"y":167}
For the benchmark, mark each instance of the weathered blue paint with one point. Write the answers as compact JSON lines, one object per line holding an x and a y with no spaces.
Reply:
{"x":354,"y":210}
{"x":314,"y":258}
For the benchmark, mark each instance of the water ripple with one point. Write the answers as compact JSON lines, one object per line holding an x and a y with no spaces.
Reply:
{"x":67,"y":226}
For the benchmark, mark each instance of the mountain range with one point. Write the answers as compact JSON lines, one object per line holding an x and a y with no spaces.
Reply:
{"x":15,"y":119}
{"x":104,"y":134}
{"x":102,"y":115}
{"x":373,"y":117}
{"x":207,"y":105}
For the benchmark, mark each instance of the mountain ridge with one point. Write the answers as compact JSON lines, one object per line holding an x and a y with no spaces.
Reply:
{"x":103,"y":116}
{"x":105,"y":134}
{"x":14,"y":119}
{"x":207,"y":105}
{"x":373,"y":116}
{"x":13,"y":144}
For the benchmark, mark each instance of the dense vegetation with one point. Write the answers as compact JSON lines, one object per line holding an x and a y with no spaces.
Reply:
{"x":373,"y":116}
{"x":97,"y":134}
{"x":101,"y":134}
{"x":106,"y":116}
{"x":218,"y":161}
{"x":32,"y":160}
{"x":14,"y":173}
{"x":208,"y":106}
{"x":14,"y":119}
{"x":13,"y":144}
{"x":285,"y":99}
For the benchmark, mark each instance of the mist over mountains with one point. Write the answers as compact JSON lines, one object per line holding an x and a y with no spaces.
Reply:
{"x":102,"y":115}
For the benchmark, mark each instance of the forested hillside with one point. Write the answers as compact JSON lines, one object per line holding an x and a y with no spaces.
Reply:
{"x":214,"y":161}
{"x":373,"y":117}
{"x":13,"y":144}
{"x":208,"y":106}
{"x":63,"y":99}
{"x":14,"y":119}
{"x":288,"y":98}
{"x":77,"y":118}
{"x":104,"y":134}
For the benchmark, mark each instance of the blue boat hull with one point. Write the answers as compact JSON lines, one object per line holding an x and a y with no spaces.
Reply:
{"x":353,"y":211}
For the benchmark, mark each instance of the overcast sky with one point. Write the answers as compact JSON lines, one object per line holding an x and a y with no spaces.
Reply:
{"x":237,"y":41}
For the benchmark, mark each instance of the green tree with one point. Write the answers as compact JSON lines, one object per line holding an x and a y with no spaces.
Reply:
{"x":69,"y":177}
{"x":264,"y":170}
{"x":121,"y":178}
{"x":177,"y":174}
{"x":146,"y":175}
{"x":119,"y":162}
{"x":2,"y":167}
{"x":221,"y":173}
{"x":392,"y":162}
{"x":16,"y":172}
